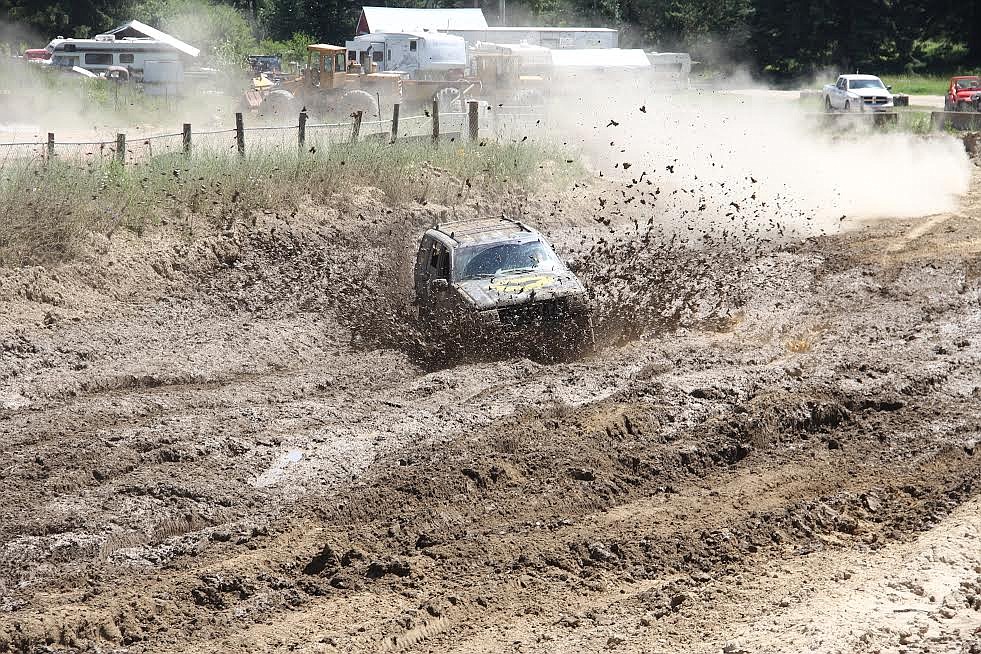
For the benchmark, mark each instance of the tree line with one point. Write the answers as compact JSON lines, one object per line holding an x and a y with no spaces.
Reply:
{"x":776,"y":39}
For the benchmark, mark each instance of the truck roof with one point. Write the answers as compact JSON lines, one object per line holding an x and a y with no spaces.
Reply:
{"x":859,"y":76}
{"x":483,"y":229}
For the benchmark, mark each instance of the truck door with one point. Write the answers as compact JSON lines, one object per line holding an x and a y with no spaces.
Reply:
{"x":434,"y":285}
{"x":420,"y":272}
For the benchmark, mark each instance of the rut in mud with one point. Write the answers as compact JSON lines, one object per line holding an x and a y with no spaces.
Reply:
{"x":231,"y":443}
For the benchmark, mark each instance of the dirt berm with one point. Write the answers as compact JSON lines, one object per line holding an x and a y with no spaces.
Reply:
{"x":234,"y":442}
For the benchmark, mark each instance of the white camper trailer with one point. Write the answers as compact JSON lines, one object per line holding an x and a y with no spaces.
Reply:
{"x":418,"y":55}
{"x":98,"y":54}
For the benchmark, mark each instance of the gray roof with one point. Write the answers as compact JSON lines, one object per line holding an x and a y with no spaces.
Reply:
{"x":136,"y":28}
{"x":484,"y":229}
{"x":397,"y":19}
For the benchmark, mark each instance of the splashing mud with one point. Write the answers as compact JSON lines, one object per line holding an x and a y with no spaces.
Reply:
{"x":767,"y":157}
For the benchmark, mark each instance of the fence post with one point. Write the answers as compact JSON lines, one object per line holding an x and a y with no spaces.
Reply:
{"x":395,"y":121}
{"x":356,"y":126}
{"x":435,"y":120}
{"x":51,"y":145}
{"x":121,"y":148}
{"x":301,"y":133}
{"x":187,"y":138}
{"x":240,"y":133}
{"x":472,"y":108}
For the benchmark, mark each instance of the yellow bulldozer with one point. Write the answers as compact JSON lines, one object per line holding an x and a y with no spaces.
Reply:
{"x":325,"y":87}
{"x":331,"y":86}
{"x":335,"y":84}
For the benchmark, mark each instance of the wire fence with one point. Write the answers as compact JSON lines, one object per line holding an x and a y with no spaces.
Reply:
{"x":477,"y":123}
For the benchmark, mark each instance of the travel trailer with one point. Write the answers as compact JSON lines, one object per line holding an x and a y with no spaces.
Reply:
{"x":105,"y":50}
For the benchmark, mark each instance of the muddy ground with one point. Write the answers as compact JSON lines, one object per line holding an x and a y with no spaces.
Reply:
{"x":231,"y":442}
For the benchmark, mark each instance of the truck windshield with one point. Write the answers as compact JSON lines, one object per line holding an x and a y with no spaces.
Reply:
{"x":492,"y":259}
{"x":967,"y":83}
{"x":865,"y":84}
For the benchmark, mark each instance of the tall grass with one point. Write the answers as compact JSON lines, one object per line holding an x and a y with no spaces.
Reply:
{"x":49,"y":205}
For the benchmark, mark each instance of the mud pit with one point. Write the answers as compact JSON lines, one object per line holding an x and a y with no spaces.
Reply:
{"x":231,"y":443}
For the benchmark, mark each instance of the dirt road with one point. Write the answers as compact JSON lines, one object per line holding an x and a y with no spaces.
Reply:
{"x":230,"y":443}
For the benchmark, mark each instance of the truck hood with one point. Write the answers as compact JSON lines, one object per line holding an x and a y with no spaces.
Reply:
{"x":869,"y":93}
{"x":967,"y":94}
{"x":508,"y":290}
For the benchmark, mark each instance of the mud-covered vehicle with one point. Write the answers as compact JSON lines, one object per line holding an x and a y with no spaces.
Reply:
{"x":486,"y":284}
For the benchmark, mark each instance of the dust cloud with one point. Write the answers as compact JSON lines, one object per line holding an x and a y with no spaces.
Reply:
{"x":758,"y":155}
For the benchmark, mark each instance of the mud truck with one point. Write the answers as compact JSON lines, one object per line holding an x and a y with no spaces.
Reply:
{"x":497,"y":283}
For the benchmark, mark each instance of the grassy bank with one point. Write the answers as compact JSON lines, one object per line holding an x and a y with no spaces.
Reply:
{"x":918,"y":84}
{"x":50,"y":206}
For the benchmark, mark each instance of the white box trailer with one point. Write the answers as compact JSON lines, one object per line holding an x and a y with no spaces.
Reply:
{"x":164,"y":78}
{"x":670,"y":70}
{"x":556,"y":38}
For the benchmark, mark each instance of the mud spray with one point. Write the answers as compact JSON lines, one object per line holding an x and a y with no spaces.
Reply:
{"x":697,"y":193}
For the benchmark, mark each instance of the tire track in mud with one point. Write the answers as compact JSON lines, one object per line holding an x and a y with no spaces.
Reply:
{"x":683,"y":535}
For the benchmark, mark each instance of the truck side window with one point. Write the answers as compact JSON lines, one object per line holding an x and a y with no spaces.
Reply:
{"x":413,"y":44}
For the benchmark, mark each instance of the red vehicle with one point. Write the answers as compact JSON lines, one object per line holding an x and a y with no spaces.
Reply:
{"x":964,"y":94}
{"x":37,"y":54}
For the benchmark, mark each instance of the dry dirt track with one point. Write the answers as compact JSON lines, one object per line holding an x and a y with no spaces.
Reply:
{"x":227,"y":444}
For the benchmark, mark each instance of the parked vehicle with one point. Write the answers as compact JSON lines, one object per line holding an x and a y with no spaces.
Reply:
{"x":497,"y":282}
{"x":858,"y":93}
{"x":37,"y":54}
{"x":106,"y":51}
{"x":265,"y":64}
{"x":963,"y":94}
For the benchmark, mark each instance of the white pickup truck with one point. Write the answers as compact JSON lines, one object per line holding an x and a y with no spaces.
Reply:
{"x":858,"y":93}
